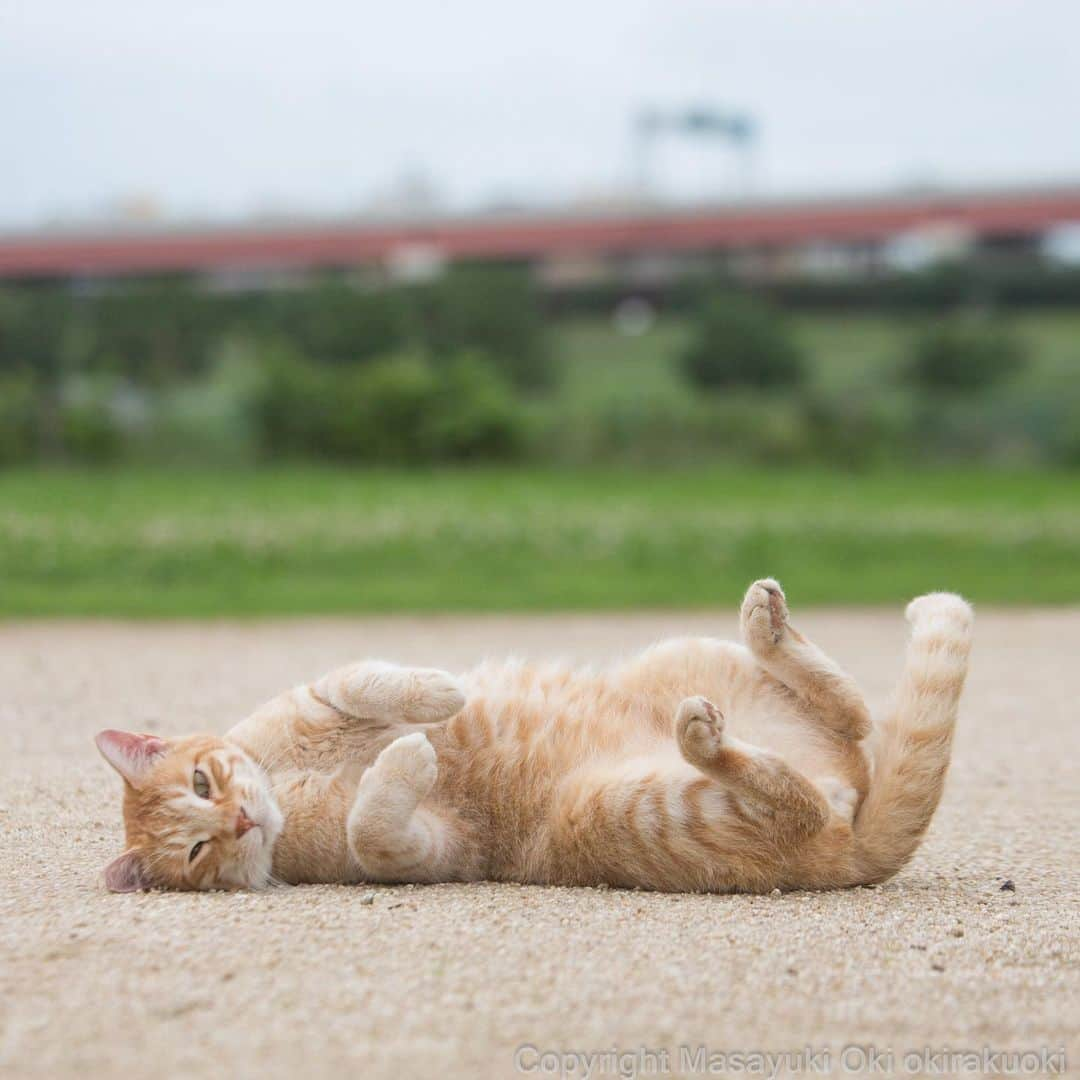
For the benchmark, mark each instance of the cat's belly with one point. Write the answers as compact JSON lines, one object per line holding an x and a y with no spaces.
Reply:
{"x":774,"y":722}
{"x":504,"y":760}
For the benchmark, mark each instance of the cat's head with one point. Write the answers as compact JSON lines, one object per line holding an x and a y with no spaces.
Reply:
{"x":198,"y":814}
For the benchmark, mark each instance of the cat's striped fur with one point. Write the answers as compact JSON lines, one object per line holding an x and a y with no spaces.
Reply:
{"x":699,"y":765}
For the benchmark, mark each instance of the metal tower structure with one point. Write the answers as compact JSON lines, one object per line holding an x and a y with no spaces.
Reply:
{"x":736,"y":129}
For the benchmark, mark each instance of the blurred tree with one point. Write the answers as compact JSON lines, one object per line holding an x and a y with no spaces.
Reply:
{"x":965,"y":353}
{"x":494,"y":310}
{"x":396,"y":409}
{"x":37,"y":327}
{"x":476,"y":415}
{"x":89,"y":433}
{"x":291,"y":404}
{"x":42,"y":334}
{"x":381,"y":412}
{"x":156,"y":331}
{"x":740,"y":341}
{"x":333,"y":322}
{"x":20,"y":416}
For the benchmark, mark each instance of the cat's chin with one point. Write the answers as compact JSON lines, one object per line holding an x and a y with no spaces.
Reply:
{"x":254,"y":867}
{"x":257,"y":869}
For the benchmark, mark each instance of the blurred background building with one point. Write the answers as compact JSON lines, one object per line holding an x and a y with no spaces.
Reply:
{"x":632,"y":243}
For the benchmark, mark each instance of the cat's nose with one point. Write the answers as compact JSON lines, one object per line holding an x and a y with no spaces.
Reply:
{"x":243,"y":823}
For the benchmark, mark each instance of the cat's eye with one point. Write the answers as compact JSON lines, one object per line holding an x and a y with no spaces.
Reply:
{"x":201,"y":784}
{"x":195,"y":851}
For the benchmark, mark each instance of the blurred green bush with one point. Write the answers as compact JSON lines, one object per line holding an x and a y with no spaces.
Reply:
{"x":163,"y":330}
{"x":20,"y":420}
{"x":493,"y":309}
{"x":331,"y":321}
{"x":740,"y":341}
{"x":465,"y":368}
{"x":965,"y":353}
{"x":398,"y":409}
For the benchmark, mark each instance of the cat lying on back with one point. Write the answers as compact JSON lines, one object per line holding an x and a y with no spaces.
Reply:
{"x":699,"y":765}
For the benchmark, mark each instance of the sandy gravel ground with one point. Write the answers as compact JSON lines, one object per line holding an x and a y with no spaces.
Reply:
{"x":448,"y":981}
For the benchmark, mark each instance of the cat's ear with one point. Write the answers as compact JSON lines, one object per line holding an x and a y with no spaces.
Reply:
{"x":126,"y":873}
{"x":130,"y":755}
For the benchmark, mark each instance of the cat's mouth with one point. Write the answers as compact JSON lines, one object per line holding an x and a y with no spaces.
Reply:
{"x":255,"y":848}
{"x":259,"y":815}
{"x":264,"y":823}
{"x":253,"y":834}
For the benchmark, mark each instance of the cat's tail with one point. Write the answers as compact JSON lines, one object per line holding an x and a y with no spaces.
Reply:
{"x":911,"y":754}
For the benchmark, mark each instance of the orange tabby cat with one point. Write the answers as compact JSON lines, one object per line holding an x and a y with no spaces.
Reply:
{"x":699,"y":765}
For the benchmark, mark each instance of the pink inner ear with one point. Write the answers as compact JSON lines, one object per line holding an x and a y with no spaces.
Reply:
{"x":131,"y":755}
{"x":125,"y":873}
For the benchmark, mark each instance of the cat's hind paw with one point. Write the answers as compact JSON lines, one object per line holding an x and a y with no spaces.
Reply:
{"x":764,"y":614}
{"x":699,"y":729}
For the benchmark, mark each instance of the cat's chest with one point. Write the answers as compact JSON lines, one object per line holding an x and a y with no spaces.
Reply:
{"x":313,"y":844}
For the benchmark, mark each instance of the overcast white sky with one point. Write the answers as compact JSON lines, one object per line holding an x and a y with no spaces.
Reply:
{"x":231,"y":107}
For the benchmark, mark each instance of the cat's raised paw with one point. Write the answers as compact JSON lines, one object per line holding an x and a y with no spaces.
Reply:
{"x":409,"y":760}
{"x":764,"y":614}
{"x":699,"y":729}
{"x":432,"y":695}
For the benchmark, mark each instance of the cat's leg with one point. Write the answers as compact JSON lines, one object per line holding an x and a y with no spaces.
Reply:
{"x":377,"y":690}
{"x":828,"y":692}
{"x":391,"y":836}
{"x":765,"y":786}
{"x":370,"y":700}
{"x":724,"y":816}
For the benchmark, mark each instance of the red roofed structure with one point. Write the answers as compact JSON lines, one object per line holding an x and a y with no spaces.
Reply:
{"x":774,"y":226}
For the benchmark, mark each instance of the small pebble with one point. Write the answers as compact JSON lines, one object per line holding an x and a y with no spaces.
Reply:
{"x":1008,"y":886}
{"x":957,"y":931}
{"x":367,"y":898}
{"x":775,"y":892}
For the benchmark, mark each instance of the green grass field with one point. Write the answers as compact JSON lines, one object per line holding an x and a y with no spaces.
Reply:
{"x":320,"y":540}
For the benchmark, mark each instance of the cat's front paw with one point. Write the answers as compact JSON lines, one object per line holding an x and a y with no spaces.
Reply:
{"x":409,"y":761}
{"x":764,"y":614}
{"x":432,"y":695}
